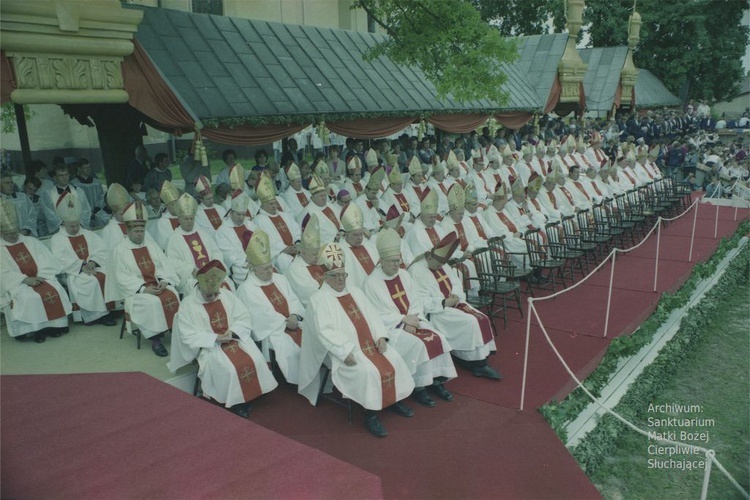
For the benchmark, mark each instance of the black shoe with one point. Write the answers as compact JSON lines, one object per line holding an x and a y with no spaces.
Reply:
{"x":442,"y":392}
{"x":372,"y":422}
{"x":421,"y":397}
{"x":159,"y":350}
{"x":55,"y":334}
{"x":108,"y":320}
{"x":39,"y":337}
{"x":400,"y":408}
{"x":486,"y":371}
{"x":20,"y":338}
{"x":241,"y":410}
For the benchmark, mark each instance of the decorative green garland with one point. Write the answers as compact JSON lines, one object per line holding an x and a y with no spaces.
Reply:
{"x":591,"y":450}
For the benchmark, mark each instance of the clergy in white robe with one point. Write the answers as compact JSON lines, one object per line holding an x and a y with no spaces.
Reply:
{"x":468,"y":331}
{"x":354,"y":182}
{"x":163,"y":228}
{"x":92,"y":187}
{"x":304,"y":274}
{"x":330,"y":225}
{"x":500,"y":224}
{"x":189,"y":248}
{"x":26,"y":210}
{"x":370,"y":204}
{"x":233,"y":235}
{"x":217,"y":327}
{"x":424,"y":233}
{"x":83,"y":259}
{"x":116,"y":230}
{"x":274,"y":307}
{"x":395,"y":196}
{"x":344,"y":327}
{"x":141,"y":275}
{"x":360,"y":255}
{"x":573,"y":186}
{"x":425,"y":351}
{"x":469,"y":240}
{"x":282,"y":230}
{"x":31,"y":298}
{"x":296,"y":197}
{"x":48,"y":199}
{"x":210,"y":216}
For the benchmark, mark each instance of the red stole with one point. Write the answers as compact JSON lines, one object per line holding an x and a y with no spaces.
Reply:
{"x":582,"y":189}
{"x":536,"y":204}
{"x":317,"y":273}
{"x":240,"y":232}
{"x":280,"y":226}
{"x":169,"y":302}
{"x":197,"y":249}
{"x":81,"y":248}
{"x":513,"y":172}
{"x":462,"y":236}
{"x":478,"y":225}
{"x":366,"y":344}
{"x":402,"y":201}
{"x":242,"y":362}
{"x":123,"y":228}
{"x":357,"y":187}
{"x":174,"y":221}
{"x":432,"y":233}
{"x":302,"y":198}
{"x":567,"y":194}
{"x":443,"y":188}
{"x":484,"y":322}
{"x":418,"y":191}
{"x":596,"y":188}
{"x":443,"y":281}
{"x":552,"y":199}
{"x":401,"y":300}
{"x":599,"y":155}
{"x":213,"y":217}
{"x":363,"y":257}
{"x":281,"y":306}
{"x":509,"y":223}
{"x":627,"y":174}
{"x":331,"y":216}
{"x":51,"y":300}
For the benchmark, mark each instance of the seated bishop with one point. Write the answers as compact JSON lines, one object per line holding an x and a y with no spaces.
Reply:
{"x":468,"y":331}
{"x":189,"y":247}
{"x":425,"y":351}
{"x":295,"y":196}
{"x":274,"y":307}
{"x":33,"y":301}
{"x":115,"y":231}
{"x":360,"y":255}
{"x":369,"y":202}
{"x":83,"y":258}
{"x":304,"y":274}
{"x":141,"y":275}
{"x":233,"y":235}
{"x":282,"y":230}
{"x":165,"y":225}
{"x":210,"y":215}
{"x":343,"y":328}
{"x":328,"y":220}
{"x":216,"y":326}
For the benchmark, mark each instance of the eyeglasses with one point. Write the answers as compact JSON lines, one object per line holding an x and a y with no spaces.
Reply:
{"x":395,"y":262}
{"x":337,"y":275}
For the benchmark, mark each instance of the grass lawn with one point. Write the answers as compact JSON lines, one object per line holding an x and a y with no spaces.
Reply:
{"x":717,"y":379}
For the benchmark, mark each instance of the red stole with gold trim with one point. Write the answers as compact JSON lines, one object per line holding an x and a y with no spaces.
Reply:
{"x":582,"y":189}
{"x":240,"y":232}
{"x":81,"y":248}
{"x":331,"y":216}
{"x":402,"y":201}
{"x":509,"y":223}
{"x":280,"y":225}
{"x":364,"y":258}
{"x":430,"y":339}
{"x":281,"y":306}
{"x":243,"y":363}
{"x":478,"y":225}
{"x":366,"y":344}
{"x":317,"y":273}
{"x":432,"y":233}
{"x":197,"y":249}
{"x":462,"y":236}
{"x":567,"y":194}
{"x":552,"y":199}
{"x":302,"y":198}
{"x":213,"y":217}
{"x":51,"y":300}
{"x":443,"y":281}
{"x":484,"y":322}
{"x":169,"y":301}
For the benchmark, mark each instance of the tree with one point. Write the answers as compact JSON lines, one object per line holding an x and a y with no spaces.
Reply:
{"x":522,"y":17}
{"x":458,"y":52}
{"x":695,"y":47}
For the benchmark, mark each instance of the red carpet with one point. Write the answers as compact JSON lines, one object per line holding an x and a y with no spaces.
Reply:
{"x":130,"y":436}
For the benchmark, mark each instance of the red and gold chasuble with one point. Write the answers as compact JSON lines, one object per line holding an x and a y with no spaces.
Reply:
{"x":281,"y":306}
{"x":197,"y":249}
{"x":81,"y":248}
{"x":444,"y":282}
{"x":51,"y":301}
{"x":280,"y":225}
{"x":364,"y":258}
{"x":401,"y":300}
{"x":213,"y":217}
{"x":366,"y":344}
{"x":242,"y":362}
{"x":302,"y":198}
{"x":402,"y":201}
{"x":169,"y":302}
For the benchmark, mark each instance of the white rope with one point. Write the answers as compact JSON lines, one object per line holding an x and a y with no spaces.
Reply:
{"x":710,"y":454}
{"x":682,"y":214}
